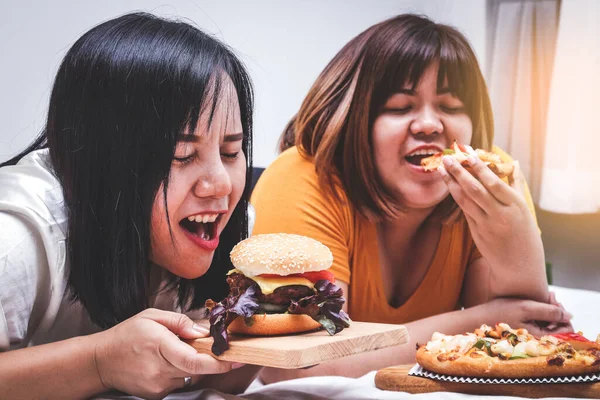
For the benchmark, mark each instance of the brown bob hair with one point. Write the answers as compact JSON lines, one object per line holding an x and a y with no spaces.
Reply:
{"x":333,"y":126}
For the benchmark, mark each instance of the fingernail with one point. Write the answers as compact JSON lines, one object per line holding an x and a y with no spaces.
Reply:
{"x":201,"y":329}
{"x":471,"y":160}
{"x":447,"y":161}
{"x":442,"y":171}
{"x":568,"y":316}
{"x":237,"y":365}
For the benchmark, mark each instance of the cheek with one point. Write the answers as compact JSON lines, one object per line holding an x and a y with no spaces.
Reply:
{"x":158,"y":227}
{"x":462,"y":129}
{"x":388,"y":136}
{"x":237,"y":174}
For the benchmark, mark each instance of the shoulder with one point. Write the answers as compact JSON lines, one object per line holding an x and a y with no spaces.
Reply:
{"x":292,"y":178}
{"x":25,"y":278}
{"x":290,"y":163}
{"x":32,"y":189}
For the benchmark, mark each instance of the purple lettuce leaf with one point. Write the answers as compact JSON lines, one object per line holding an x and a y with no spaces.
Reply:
{"x":222,"y":314}
{"x":325,"y":307}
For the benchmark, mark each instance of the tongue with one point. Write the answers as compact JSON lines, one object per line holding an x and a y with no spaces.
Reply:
{"x":416,"y":160}
{"x":204,"y":231}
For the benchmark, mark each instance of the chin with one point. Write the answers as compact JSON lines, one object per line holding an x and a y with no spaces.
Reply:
{"x":424,"y":198}
{"x":190,"y":270}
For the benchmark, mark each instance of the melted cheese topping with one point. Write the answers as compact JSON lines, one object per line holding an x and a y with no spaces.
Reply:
{"x":441,"y":343}
{"x":268,"y":285}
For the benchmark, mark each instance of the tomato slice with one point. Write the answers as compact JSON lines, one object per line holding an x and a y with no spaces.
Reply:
{"x":577,"y":341}
{"x":313,"y":276}
{"x":570,"y":336}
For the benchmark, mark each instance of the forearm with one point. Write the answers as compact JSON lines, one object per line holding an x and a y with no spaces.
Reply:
{"x":486,"y":281}
{"x":357,"y":365}
{"x":234,"y":382}
{"x":527,"y":281}
{"x":59,"y":370}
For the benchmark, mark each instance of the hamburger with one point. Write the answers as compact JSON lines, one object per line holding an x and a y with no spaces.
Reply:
{"x":280,"y":285}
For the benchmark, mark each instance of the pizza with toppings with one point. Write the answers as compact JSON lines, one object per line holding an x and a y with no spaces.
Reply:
{"x":503,"y":352}
{"x":459,"y":152}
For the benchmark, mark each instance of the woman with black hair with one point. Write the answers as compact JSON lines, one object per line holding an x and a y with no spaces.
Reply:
{"x":121,"y":216}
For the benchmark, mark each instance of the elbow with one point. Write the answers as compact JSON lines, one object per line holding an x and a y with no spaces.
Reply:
{"x":537,"y":291}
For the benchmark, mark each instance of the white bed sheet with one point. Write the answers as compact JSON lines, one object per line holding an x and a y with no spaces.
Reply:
{"x":583,"y":304}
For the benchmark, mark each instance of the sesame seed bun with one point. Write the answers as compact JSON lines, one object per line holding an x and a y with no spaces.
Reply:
{"x":274,"y":324}
{"x":281,"y":254}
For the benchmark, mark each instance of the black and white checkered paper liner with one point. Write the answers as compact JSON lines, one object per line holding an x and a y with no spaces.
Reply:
{"x":417,"y":370}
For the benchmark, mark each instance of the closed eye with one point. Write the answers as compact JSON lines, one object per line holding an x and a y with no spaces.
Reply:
{"x":452,"y":110}
{"x":399,"y":111}
{"x":185,"y":160}
{"x":231,"y":156}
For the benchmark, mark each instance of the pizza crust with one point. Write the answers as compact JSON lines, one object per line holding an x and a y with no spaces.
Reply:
{"x":493,"y":367}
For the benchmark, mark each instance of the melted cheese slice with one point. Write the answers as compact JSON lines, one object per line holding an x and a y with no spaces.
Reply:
{"x":268,"y":285}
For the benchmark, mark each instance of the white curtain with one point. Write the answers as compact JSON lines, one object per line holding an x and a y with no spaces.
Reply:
{"x":521,"y":43}
{"x":571,"y":169}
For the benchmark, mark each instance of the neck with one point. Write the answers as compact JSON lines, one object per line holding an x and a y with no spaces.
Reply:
{"x":408,"y":222}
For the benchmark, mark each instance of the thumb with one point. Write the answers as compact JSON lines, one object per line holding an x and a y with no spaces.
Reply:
{"x":179,"y":324}
{"x":518,"y":181}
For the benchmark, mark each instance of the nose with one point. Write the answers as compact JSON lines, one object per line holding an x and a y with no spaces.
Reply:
{"x":213,"y":182}
{"x":427,"y":122}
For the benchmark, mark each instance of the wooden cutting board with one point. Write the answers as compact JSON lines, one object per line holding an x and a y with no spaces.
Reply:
{"x":304,"y":350}
{"x":397,"y":379}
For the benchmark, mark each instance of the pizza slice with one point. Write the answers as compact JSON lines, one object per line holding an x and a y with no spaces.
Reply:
{"x":503,"y":352}
{"x":461,"y":152}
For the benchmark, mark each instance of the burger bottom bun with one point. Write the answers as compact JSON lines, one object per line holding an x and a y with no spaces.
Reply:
{"x":274,"y":324}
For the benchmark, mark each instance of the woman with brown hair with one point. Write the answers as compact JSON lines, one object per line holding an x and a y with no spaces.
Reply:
{"x":438,"y":251}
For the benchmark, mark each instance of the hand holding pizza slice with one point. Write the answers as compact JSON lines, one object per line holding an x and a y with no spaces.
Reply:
{"x":500,"y":221}
{"x":503,"y":352}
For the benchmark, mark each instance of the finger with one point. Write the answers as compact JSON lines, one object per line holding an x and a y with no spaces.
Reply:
{"x":185,"y":358}
{"x":179,"y":382}
{"x":468,"y":205}
{"x":564,"y":328}
{"x":552,"y":299}
{"x":470,"y":186}
{"x":518,"y":180}
{"x":546,"y":312}
{"x":496,"y":186}
{"x":179,"y":324}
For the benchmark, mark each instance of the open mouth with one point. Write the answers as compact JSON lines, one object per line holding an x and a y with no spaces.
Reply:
{"x":205,"y":227}
{"x":416,"y":157}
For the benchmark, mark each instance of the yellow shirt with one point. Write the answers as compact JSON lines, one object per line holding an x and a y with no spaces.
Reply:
{"x":288,"y":199}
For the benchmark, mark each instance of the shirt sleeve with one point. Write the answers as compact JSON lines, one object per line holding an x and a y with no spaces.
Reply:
{"x":24,"y":279}
{"x":288,"y":199}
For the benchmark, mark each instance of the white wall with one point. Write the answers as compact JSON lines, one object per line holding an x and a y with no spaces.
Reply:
{"x":284,"y":43}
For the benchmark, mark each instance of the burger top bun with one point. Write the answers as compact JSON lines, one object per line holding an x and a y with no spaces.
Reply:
{"x":281,"y":254}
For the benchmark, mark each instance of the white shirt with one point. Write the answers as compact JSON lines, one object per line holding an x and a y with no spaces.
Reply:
{"x":34,"y":304}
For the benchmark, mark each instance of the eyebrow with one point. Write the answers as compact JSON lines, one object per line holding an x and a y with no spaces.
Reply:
{"x":412,"y":92}
{"x":234,"y":137}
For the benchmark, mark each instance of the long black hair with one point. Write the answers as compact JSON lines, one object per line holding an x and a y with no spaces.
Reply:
{"x":123,"y":96}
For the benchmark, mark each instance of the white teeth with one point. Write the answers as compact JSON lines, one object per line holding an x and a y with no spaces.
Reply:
{"x":204,"y":236}
{"x":422,"y":152}
{"x":203,"y":218}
